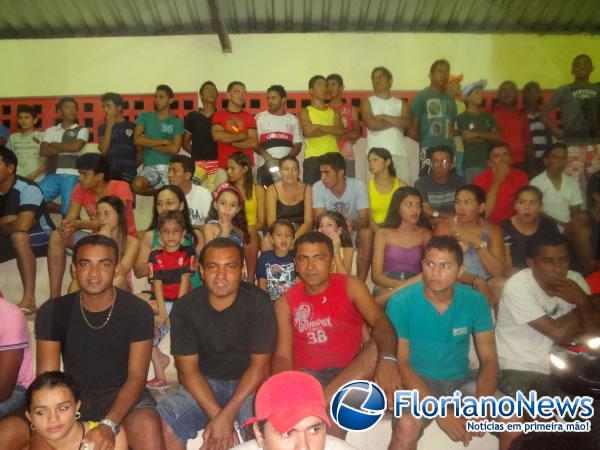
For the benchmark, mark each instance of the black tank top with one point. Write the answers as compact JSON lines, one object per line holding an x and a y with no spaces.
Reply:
{"x":293,"y":213}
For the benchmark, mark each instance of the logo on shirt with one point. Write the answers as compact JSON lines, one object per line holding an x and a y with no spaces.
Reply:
{"x":129,"y":132}
{"x":304,"y":325}
{"x":459,"y":331}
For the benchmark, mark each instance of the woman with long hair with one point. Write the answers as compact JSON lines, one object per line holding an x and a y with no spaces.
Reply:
{"x":52,"y":404}
{"x":289,"y":199}
{"x":112,"y":222}
{"x":482,"y":242}
{"x":239,"y":173}
{"x":383,"y":184}
{"x":333,"y":224}
{"x":167,"y":198}
{"x":400,"y":241}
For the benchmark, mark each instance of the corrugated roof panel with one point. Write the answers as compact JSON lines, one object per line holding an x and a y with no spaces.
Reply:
{"x":63,"y":18}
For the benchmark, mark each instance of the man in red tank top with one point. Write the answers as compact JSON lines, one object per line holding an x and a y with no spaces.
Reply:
{"x":320,"y":321}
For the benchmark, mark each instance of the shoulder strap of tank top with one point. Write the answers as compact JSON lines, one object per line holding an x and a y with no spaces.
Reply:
{"x":276,"y":193}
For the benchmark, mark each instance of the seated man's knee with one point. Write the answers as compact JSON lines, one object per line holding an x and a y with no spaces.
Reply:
{"x":139,"y":184}
{"x":407,"y":429}
{"x":20,"y":239}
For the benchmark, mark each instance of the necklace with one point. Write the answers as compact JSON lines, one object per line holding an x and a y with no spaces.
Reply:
{"x":107,"y":317}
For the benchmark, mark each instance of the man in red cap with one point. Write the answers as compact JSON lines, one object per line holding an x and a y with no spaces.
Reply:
{"x":291,"y":414}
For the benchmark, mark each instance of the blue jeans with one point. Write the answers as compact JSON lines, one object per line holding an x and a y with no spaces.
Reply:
{"x":13,"y":403}
{"x":59,"y":185}
{"x":186,"y":418}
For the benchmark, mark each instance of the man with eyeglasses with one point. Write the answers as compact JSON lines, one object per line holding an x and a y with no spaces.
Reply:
{"x":434,"y":320}
{"x":438,"y":187}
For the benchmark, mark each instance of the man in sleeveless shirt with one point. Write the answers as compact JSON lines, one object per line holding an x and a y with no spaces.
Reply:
{"x":387,"y":118}
{"x":320,"y":321}
{"x":321,"y":126}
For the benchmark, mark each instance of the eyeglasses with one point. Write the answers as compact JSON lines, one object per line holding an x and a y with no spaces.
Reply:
{"x":440,"y":162}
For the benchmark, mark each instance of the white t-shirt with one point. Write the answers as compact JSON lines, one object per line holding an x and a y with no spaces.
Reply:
{"x":199,"y":200}
{"x":520,"y":346}
{"x":331,"y":443}
{"x":66,"y":161}
{"x":355,"y":197}
{"x":391,"y":138}
{"x":277,"y":134}
{"x":557,"y":202}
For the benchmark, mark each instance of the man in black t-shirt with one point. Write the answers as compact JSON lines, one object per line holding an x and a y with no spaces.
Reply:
{"x":222,"y":337}
{"x":197,"y":136}
{"x":105,"y":338}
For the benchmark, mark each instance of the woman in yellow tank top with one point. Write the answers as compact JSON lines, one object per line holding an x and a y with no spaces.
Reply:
{"x":52,"y":407}
{"x":383,"y":184}
{"x":239,"y":172}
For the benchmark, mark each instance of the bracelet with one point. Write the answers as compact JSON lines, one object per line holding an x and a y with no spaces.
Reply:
{"x":389,"y":358}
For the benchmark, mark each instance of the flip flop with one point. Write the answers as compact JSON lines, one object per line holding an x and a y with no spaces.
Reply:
{"x":27,"y":311}
{"x":157,"y":383}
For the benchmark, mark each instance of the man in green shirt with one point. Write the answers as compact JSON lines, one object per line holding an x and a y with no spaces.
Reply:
{"x":433,"y":115}
{"x":435,"y":320}
{"x":160,"y":134}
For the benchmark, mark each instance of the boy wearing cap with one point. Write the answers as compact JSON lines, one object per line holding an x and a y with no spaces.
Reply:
{"x":291,"y":413}
{"x":477,"y":128}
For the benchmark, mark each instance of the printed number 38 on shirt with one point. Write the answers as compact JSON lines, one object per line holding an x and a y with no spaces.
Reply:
{"x":317,"y":337}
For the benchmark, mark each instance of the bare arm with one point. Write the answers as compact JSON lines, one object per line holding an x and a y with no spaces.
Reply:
{"x":362,"y":221}
{"x":282,"y":358}
{"x":140,"y":267}
{"x":132,"y":247}
{"x":140,"y":139}
{"x":413,"y":131}
{"x":545,"y":116}
{"x":259,"y":192}
{"x":403,"y":122}
{"x":187,"y":142}
{"x":353,"y":133}
{"x":250,"y":142}
{"x":23,"y":222}
{"x":487,"y":379}
{"x":296,"y":148}
{"x":47,"y":356}
{"x":373,"y":123}
{"x":104,"y":142}
{"x":579,"y":232}
{"x":220,"y":135}
{"x":55,"y":148}
{"x":271,"y":205}
{"x":10,"y":363}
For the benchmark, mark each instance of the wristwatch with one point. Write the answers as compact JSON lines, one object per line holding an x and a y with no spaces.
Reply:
{"x":115,"y":428}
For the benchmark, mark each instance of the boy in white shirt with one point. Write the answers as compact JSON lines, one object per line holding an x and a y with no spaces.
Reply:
{"x":562,"y":194}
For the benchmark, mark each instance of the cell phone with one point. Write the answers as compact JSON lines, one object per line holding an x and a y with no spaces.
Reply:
{"x":87,"y":446}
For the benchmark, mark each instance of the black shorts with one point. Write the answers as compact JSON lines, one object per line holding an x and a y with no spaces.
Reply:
{"x":38,"y":242}
{"x":96,"y":404}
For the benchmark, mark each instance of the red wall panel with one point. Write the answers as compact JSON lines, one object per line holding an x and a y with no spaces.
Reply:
{"x":91,"y":114}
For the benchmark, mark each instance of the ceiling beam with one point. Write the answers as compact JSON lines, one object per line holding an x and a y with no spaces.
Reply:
{"x":219,"y":26}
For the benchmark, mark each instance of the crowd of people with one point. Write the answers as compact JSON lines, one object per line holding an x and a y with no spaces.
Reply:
{"x":250,"y":259}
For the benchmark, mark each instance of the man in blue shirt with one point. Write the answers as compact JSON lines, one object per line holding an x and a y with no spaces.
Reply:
{"x":434,"y":320}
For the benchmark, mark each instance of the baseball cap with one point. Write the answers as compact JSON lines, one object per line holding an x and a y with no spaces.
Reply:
{"x":458,"y":78}
{"x":472,"y":86}
{"x":287,"y":398}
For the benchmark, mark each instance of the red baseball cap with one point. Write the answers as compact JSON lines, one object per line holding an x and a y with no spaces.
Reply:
{"x":287,"y":398}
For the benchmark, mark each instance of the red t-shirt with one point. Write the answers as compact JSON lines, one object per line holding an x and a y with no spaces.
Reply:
{"x":593,"y":282}
{"x":505,"y":200}
{"x":233,"y":123}
{"x":514,"y":130}
{"x":326,"y":328}
{"x":85,"y":198}
{"x":169,"y":267}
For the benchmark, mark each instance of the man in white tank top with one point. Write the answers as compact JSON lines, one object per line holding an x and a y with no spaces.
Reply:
{"x":387,"y":118}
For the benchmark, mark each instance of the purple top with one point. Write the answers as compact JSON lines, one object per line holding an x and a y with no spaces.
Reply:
{"x":400,"y":259}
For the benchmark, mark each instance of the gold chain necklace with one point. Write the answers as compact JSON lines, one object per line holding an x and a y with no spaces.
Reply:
{"x":107,"y":318}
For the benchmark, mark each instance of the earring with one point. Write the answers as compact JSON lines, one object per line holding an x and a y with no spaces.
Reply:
{"x":32,"y":427}
{"x":77,"y":415}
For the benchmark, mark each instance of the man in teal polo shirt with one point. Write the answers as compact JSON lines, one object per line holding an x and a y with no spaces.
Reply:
{"x":160,"y":134}
{"x":434,"y":320}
